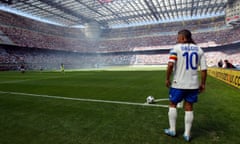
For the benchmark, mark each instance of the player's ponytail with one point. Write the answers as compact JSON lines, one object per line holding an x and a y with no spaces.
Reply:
{"x":188,"y":35}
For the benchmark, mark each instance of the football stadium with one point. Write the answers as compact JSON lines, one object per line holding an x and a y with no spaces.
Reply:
{"x":93,"y":71}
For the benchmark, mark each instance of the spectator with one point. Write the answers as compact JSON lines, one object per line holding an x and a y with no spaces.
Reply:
{"x":220,"y":63}
{"x":227,"y":64}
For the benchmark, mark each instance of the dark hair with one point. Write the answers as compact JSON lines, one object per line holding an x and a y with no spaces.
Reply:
{"x":187,"y":34}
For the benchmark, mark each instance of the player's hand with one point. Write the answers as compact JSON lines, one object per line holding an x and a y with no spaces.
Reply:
{"x":201,"y":88}
{"x":168,"y":83}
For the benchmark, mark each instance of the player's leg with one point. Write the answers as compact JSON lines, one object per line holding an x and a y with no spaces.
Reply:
{"x":189,"y":116}
{"x":172,"y":117}
{"x":188,"y":120}
{"x":175,"y":96}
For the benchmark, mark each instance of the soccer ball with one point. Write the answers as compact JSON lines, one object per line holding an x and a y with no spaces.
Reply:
{"x":150,"y":99}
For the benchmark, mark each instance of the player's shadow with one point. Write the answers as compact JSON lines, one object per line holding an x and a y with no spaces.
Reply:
{"x":209,"y":127}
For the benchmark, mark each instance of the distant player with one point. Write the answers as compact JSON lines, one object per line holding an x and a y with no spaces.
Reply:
{"x":184,"y":61}
{"x":22,"y":68}
{"x":62,"y":67}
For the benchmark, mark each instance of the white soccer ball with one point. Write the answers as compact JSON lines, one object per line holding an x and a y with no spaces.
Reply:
{"x":150,"y":99}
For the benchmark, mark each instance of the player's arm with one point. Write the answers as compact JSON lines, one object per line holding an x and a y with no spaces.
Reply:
{"x":168,"y":74}
{"x":203,"y":73}
{"x":171,"y":62}
{"x":203,"y":80}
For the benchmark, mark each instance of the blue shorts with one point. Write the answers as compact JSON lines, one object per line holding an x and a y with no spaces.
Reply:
{"x":177,"y":95}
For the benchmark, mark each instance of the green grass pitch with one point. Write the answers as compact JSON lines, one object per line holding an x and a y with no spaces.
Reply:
{"x":49,"y":117}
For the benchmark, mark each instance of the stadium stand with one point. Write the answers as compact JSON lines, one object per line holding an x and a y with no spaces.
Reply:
{"x":45,"y":46}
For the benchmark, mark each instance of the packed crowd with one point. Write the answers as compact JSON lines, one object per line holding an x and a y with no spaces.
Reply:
{"x":11,"y":58}
{"x":45,"y":59}
{"x":166,"y":28}
{"x":13,"y":20}
{"x":44,"y":46}
{"x":29,"y":33}
{"x":227,"y":52}
{"x":28,"y":38}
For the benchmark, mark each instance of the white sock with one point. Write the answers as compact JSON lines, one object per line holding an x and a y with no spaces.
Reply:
{"x":172,"y":115}
{"x":188,"y":122}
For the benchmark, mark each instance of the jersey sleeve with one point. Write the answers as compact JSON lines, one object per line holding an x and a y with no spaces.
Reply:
{"x":173,"y":55}
{"x":203,"y":63}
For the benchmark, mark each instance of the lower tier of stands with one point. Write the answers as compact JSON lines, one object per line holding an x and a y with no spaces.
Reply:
{"x":11,"y":57}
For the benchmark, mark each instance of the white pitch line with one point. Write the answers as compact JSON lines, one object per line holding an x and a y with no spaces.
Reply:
{"x":158,"y":100}
{"x":85,"y":100}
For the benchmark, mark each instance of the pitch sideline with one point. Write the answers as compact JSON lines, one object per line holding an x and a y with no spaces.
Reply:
{"x":85,"y":100}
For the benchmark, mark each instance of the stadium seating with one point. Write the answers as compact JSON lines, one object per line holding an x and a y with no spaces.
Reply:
{"x":45,"y":43}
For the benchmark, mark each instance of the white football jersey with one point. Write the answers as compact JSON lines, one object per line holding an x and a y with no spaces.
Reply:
{"x":187,"y":59}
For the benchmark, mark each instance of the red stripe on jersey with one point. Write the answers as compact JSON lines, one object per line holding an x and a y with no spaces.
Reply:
{"x":173,"y":57}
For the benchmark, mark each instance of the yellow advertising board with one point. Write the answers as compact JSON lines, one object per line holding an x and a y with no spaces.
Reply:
{"x":229,"y":76}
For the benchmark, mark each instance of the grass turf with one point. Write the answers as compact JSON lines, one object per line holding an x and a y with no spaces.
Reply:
{"x":36,"y":120}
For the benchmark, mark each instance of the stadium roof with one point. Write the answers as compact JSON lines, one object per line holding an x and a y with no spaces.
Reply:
{"x":112,"y":13}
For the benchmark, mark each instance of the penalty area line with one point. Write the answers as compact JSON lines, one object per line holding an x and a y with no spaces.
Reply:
{"x":84,"y":100}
